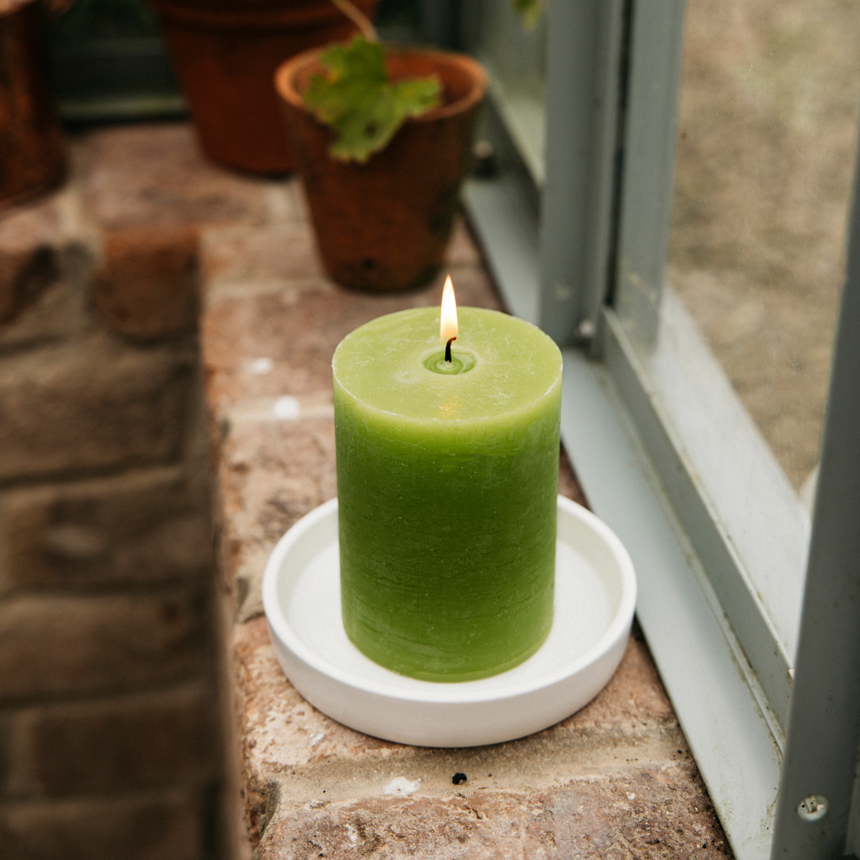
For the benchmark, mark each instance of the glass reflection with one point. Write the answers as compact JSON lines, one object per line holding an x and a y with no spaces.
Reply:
{"x":767,"y":127}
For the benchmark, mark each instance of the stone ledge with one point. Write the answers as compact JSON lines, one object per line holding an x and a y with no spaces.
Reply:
{"x":142,"y":175}
{"x":615,"y":777}
{"x":284,"y":734}
{"x":657,"y":813}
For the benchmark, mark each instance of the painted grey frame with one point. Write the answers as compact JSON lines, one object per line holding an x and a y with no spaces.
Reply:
{"x":647,"y":417}
{"x":824,"y":718}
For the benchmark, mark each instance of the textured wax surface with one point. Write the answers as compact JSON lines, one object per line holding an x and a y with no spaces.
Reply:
{"x":381,"y":365}
{"x":447,"y":489}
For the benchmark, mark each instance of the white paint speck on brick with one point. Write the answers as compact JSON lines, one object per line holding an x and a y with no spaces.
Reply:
{"x":401,"y":785}
{"x":286,"y":408}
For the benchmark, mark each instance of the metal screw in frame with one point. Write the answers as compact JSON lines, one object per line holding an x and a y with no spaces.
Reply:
{"x":485,"y":162}
{"x":812,"y":808}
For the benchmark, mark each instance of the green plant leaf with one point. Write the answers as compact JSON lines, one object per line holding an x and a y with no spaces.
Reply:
{"x":531,"y":10}
{"x":355,"y":98}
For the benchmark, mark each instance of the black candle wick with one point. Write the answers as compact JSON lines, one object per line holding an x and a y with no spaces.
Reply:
{"x":448,"y":349}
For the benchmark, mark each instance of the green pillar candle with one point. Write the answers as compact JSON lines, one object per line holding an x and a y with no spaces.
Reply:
{"x":447,"y":482}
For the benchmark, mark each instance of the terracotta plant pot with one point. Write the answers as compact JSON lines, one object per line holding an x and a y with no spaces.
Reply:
{"x":384,"y":225}
{"x":224,"y":53}
{"x":32,"y":145}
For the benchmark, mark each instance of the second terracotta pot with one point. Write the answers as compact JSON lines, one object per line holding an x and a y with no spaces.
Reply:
{"x":32,"y":145}
{"x":224,"y":53}
{"x":385,"y":225}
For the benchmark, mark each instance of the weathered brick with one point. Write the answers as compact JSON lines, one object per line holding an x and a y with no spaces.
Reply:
{"x":46,"y":258}
{"x":242,"y":326}
{"x":169,"y":825}
{"x":28,"y":263}
{"x":5,"y":751}
{"x":648,"y":814}
{"x":54,"y":645}
{"x":280,"y":729}
{"x":568,"y":485}
{"x":252,"y":255}
{"x":462,"y":251}
{"x":146,"y":284}
{"x":90,"y":403}
{"x":260,"y":504}
{"x":140,"y":527}
{"x":126,"y":742}
{"x":23,"y":277}
{"x":286,"y":251}
{"x":155,"y":174}
{"x":60,"y":309}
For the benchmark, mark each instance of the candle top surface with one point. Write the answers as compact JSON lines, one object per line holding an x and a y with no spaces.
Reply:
{"x":500,"y":365}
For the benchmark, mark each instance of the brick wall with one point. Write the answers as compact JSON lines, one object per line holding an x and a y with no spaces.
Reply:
{"x":110,"y":737}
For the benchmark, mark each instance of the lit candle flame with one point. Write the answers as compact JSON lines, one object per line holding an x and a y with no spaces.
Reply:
{"x":448,"y":326}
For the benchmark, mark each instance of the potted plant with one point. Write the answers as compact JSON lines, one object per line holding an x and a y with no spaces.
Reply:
{"x":32,"y":145}
{"x":382,"y":137}
{"x":224,"y":53}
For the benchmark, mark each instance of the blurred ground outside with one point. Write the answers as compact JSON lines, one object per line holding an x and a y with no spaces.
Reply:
{"x":765,"y":160}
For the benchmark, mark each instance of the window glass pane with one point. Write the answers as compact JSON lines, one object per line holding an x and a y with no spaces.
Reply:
{"x":514,"y":52}
{"x":107,"y":62}
{"x":767,"y":125}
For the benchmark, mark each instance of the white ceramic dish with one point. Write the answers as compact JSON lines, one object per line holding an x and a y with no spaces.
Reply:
{"x":594,"y":603}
